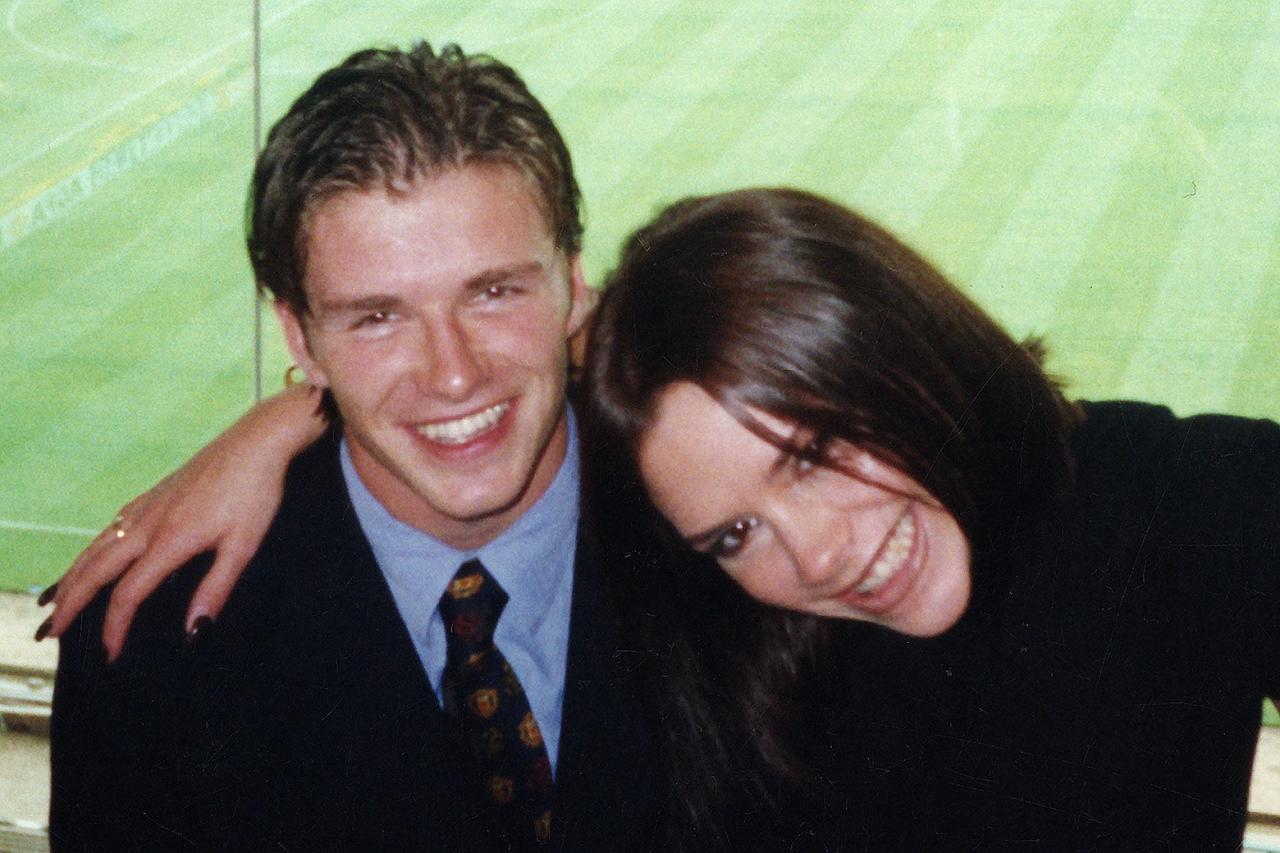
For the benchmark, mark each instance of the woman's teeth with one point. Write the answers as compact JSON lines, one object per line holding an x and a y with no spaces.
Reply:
{"x":892,"y":556}
{"x":462,"y":430}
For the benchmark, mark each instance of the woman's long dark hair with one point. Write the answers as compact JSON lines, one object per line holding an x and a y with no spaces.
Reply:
{"x":784,"y":302}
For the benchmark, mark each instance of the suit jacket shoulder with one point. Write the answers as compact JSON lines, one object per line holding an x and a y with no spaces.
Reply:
{"x":303,"y":718}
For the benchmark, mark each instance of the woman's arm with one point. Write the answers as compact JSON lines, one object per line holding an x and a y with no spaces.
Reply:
{"x":223,"y":499}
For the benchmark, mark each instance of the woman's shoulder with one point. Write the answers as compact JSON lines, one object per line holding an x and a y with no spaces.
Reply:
{"x":1206,"y":478}
{"x":1144,"y":437}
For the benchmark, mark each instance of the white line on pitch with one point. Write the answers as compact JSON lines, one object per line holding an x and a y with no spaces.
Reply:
{"x":88,"y":123}
{"x":8,"y":524}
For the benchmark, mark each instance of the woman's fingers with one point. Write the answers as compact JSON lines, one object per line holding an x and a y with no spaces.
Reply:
{"x":214,"y":590}
{"x":165,"y":554}
{"x":108,"y":556}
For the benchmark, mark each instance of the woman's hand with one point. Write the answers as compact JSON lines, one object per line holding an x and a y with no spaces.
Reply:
{"x":223,"y":499}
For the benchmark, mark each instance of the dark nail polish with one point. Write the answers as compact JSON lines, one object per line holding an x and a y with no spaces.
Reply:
{"x":198,"y":629}
{"x":47,"y":595}
{"x":43,"y":630}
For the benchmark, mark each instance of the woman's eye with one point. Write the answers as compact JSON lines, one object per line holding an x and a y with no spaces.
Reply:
{"x":805,"y":459}
{"x":732,"y":540}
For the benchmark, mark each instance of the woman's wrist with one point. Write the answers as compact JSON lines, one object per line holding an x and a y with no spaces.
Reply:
{"x":287,"y":421}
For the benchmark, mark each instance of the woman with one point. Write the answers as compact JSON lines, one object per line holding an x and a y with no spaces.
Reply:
{"x":976,"y":615}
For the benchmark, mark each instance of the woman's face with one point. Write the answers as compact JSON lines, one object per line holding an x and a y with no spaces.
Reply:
{"x":857,"y":540}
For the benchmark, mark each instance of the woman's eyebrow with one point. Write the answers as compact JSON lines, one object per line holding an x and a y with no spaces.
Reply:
{"x":699,"y":541}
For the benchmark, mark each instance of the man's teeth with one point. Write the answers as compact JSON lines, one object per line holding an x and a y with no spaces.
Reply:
{"x":892,"y":556}
{"x":462,"y":430}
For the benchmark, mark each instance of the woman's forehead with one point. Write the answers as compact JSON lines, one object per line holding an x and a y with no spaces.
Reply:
{"x":698,"y":461}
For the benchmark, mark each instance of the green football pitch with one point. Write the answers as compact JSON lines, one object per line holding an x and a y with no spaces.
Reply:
{"x":1104,"y":172}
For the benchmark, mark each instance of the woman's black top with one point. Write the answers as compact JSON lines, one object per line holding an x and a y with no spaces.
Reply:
{"x":1105,"y":687}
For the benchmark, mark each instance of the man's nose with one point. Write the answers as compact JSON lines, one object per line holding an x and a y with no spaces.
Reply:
{"x":450,"y":368}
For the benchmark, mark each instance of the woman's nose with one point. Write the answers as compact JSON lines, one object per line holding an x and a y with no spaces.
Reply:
{"x":818,"y":540}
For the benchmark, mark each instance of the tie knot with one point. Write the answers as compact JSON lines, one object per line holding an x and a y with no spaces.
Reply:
{"x":471,"y":605}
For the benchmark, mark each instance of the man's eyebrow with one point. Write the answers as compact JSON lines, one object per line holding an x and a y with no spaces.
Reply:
{"x":376,"y":302}
{"x":497,"y":275}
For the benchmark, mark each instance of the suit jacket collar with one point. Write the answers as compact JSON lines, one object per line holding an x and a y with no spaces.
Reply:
{"x":343,"y":644}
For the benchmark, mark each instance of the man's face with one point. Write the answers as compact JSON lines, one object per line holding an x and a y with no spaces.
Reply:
{"x":439,"y":319}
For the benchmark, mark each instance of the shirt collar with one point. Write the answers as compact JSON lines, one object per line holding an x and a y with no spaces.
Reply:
{"x":526,"y":559}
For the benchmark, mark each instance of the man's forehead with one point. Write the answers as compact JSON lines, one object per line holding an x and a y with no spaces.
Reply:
{"x":512,"y":188}
{"x":472,"y":222}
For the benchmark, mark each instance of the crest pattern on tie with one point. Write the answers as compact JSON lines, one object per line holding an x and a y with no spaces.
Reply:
{"x":481,"y":688}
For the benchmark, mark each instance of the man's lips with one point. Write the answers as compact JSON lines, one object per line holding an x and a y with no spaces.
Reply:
{"x":456,"y":432}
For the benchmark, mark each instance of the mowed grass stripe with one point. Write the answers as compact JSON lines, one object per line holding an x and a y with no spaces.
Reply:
{"x":720,"y":116}
{"x":1076,"y":177}
{"x":75,"y":274}
{"x":1133,"y":253}
{"x":63,"y":445}
{"x":553,"y":33}
{"x":656,"y":93}
{"x":870,"y":120}
{"x":334,"y":29}
{"x":690,"y":70}
{"x":582,"y":105}
{"x":327,"y":31}
{"x":966,"y":215}
{"x":1255,"y":390}
{"x":927,"y":151}
{"x":130,"y":417}
{"x":34,"y":558}
{"x":557,"y":51}
{"x":1199,"y":323}
{"x":79,"y":85}
{"x":120,"y":111}
{"x":805,"y":108}
{"x":154,"y":291}
{"x":579,"y":77}
{"x":568,"y":70}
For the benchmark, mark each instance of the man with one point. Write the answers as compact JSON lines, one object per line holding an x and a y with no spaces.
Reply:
{"x":415,"y":218}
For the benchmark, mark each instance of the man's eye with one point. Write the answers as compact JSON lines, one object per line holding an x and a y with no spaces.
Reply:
{"x":733,"y":540}
{"x":498,"y":292}
{"x":373,"y":318}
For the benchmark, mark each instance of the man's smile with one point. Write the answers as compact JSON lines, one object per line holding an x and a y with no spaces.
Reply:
{"x":459,"y":431}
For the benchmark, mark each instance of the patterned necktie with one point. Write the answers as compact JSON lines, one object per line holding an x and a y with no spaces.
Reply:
{"x":481,"y":688}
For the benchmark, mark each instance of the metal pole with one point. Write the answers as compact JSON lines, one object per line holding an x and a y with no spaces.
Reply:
{"x":257,"y":147}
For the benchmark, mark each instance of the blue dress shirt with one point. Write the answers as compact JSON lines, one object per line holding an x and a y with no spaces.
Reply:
{"x":532,"y":560}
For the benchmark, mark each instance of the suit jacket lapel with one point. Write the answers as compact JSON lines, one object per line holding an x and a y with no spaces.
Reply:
{"x":605,"y":772}
{"x":363,"y":719}
{"x":359,"y":717}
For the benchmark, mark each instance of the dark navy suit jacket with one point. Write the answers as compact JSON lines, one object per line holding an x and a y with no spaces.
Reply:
{"x":303,"y":720}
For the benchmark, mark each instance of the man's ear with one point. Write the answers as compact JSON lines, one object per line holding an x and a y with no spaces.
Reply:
{"x":296,"y":339}
{"x":583,"y":298}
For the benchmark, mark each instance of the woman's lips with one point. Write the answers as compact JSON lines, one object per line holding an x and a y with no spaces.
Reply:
{"x":893,"y":570}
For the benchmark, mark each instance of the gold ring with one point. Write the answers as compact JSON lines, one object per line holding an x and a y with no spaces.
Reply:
{"x":118,"y":526}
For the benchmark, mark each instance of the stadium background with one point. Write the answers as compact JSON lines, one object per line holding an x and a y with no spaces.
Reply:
{"x":1103,"y":172}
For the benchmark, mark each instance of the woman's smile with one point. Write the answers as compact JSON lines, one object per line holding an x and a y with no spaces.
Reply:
{"x":852,"y":539}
